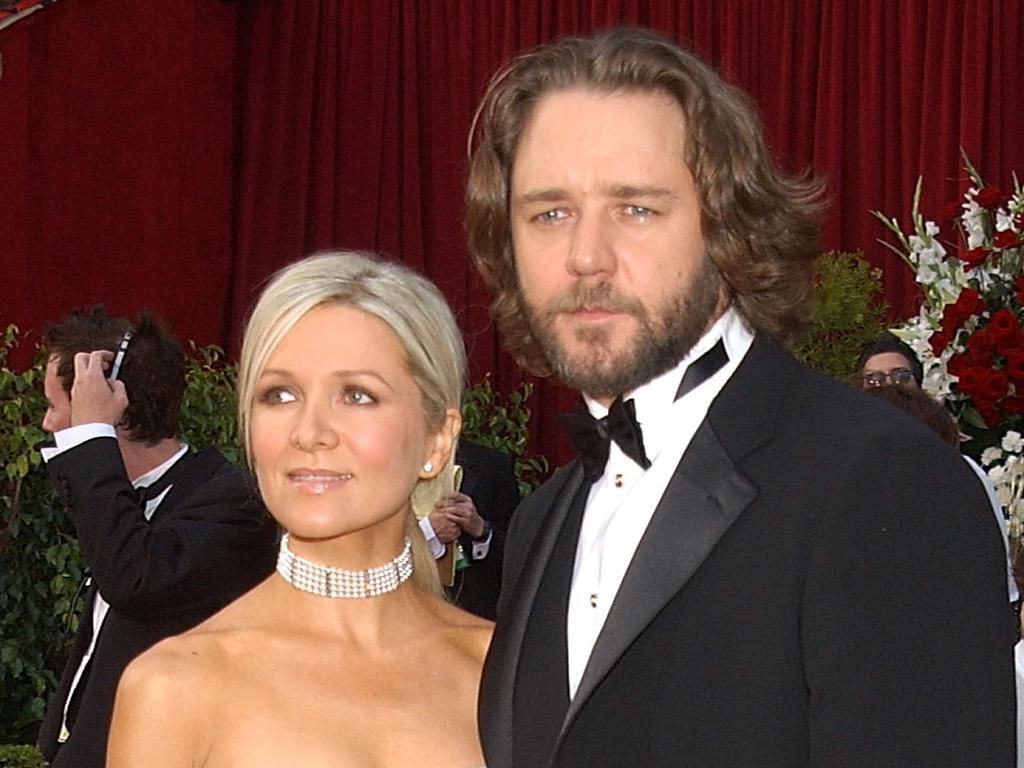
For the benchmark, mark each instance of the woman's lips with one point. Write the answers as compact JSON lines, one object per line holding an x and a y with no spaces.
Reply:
{"x":317,"y":481}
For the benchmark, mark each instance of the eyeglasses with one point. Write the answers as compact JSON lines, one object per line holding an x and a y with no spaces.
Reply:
{"x":901,"y":376}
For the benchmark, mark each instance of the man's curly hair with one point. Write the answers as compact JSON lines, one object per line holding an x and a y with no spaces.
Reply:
{"x":153,"y":370}
{"x":760,"y":228}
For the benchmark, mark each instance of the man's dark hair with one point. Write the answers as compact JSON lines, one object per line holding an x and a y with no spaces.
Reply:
{"x":153,"y":369}
{"x":889,"y":343}
{"x":921,"y":406}
{"x":760,"y":227}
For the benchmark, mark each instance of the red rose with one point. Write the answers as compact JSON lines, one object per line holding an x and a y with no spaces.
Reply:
{"x":952,"y":318}
{"x":1008,"y":343}
{"x":978,"y":359}
{"x":939,"y":341}
{"x":1005,"y":239}
{"x":989,"y":197}
{"x":969,"y":303}
{"x":969,"y":381}
{"x":1012,"y":404}
{"x":981,"y":342}
{"x":1004,"y":322}
{"x":1015,"y":367}
{"x":973,"y":257}
{"x":952,"y":211}
{"x":957,"y":364}
{"x":994,"y":385}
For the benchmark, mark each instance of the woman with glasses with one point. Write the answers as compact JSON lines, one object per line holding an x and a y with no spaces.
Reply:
{"x":887,"y":360}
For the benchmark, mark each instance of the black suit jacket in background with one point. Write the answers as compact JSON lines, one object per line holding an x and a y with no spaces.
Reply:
{"x":209,"y":541}
{"x":822,"y":584}
{"x":488,"y":478}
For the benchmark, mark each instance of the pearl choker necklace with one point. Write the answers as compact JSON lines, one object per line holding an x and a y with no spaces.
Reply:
{"x":326,"y":581}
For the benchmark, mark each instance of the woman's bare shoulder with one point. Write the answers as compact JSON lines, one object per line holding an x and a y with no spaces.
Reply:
{"x":471,"y":632}
{"x":177,"y":663}
{"x":170,"y":668}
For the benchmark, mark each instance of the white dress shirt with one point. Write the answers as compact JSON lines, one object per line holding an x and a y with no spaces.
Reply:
{"x":66,"y":439}
{"x":622,"y":501}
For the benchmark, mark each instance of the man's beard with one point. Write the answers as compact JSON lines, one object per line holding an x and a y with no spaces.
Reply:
{"x":661,"y":339}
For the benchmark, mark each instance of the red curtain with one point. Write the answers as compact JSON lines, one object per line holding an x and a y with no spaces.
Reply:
{"x":135,"y":175}
{"x":353,"y":132}
{"x":117,"y":171}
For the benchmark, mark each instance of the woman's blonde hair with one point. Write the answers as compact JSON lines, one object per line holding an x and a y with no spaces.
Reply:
{"x":415,"y":311}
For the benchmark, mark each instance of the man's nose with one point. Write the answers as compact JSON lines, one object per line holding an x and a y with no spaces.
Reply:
{"x":592,"y":246}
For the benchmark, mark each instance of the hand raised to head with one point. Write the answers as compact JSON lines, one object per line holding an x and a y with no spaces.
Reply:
{"x":95,"y":399}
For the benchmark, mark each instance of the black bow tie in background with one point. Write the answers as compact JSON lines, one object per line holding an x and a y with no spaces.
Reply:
{"x":592,"y":437}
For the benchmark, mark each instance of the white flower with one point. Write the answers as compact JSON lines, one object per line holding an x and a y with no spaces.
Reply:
{"x":974,"y":224}
{"x":990,"y":455}
{"x":1016,"y":509}
{"x":926,"y":274}
{"x":1012,"y":442}
{"x":1004,"y":221}
{"x":1003,"y":493}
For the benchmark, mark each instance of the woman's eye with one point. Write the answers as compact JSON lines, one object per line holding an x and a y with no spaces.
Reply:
{"x":276,"y":396}
{"x":357,"y":396}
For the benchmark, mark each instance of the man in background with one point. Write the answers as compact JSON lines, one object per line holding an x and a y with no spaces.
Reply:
{"x":476,"y":516}
{"x":169,"y":536}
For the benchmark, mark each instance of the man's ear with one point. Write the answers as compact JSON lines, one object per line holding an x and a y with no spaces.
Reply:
{"x":441,"y":444}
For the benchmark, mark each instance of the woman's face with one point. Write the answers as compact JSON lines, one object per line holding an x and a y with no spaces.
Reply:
{"x":338,"y":432}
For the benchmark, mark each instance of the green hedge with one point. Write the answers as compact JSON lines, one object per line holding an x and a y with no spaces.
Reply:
{"x":848,"y":313}
{"x":20,"y":757}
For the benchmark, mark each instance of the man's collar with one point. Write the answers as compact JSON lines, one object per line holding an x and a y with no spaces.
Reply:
{"x":659,"y":392}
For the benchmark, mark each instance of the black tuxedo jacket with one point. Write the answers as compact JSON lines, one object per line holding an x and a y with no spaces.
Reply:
{"x":209,"y":541}
{"x":488,"y":478}
{"x":821,"y":584}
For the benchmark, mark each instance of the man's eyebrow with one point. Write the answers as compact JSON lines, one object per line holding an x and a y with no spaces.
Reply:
{"x":618,"y":191}
{"x":626,"y":191}
{"x":550,"y":195}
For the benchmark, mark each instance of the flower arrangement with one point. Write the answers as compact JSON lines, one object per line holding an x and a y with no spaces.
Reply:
{"x":968,"y":332}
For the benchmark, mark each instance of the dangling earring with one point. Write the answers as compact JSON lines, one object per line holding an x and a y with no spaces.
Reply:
{"x":428,"y":467}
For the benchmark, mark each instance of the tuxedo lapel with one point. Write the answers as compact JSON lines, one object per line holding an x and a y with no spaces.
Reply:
{"x":703,"y":498}
{"x":496,"y":698}
{"x":706,"y":494}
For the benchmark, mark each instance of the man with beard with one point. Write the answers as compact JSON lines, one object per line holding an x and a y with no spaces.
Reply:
{"x":749,"y":564}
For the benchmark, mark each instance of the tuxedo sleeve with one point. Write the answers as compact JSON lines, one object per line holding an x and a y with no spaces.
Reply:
{"x":495,"y":497}
{"x":906,"y":632}
{"x":204,"y":542}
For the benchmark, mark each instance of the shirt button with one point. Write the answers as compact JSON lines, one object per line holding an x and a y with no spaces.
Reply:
{"x":619,"y":481}
{"x":593,"y":600}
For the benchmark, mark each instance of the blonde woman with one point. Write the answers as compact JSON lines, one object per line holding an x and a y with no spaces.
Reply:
{"x":349,"y":386}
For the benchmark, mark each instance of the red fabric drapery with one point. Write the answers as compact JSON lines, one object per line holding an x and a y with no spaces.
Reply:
{"x":173,"y":154}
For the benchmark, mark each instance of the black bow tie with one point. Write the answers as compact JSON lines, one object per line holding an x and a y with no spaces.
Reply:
{"x":592,"y":437}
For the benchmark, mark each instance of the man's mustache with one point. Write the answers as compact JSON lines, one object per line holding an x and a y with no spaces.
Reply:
{"x":600,"y":296}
